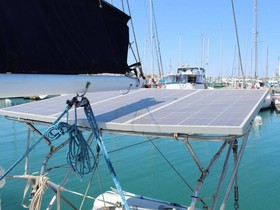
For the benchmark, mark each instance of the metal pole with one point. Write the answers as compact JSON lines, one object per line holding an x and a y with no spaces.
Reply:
{"x":204,"y":175}
{"x":199,"y":165}
{"x":222,"y":177}
{"x":27,"y":157}
{"x":232,"y":179}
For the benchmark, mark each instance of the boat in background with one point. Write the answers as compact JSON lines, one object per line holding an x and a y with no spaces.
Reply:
{"x":187,"y":77}
{"x":277,"y":104}
{"x":275,"y":93}
{"x":267,"y":102}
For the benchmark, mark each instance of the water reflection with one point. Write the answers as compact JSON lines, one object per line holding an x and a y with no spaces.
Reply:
{"x":7,"y":102}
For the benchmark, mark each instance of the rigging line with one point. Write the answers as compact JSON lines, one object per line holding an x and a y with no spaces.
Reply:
{"x":130,"y":46}
{"x":100,"y":187}
{"x":48,"y":170}
{"x":157,"y":57}
{"x":93,"y":124}
{"x":122,"y":6}
{"x":158,"y":43}
{"x":54,"y":187}
{"x":237,"y":39}
{"x":171,"y":165}
{"x":132,"y":145}
{"x":233,"y":64}
{"x":127,"y":2}
{"x":90,"y":182}
{"x":95,"y":168}
{"x":68,"y":107}
{"x":57,"y":197}
{"x":176,"y":171}
{"x":119,"y":149}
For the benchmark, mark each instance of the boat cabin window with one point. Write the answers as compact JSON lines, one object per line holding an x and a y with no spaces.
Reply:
{"x":183,"y":78}
{"x":192,"y":79}
{"x":171,"y":78}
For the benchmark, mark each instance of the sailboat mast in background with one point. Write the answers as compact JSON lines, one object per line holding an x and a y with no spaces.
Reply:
{"x":152,"y":39}
{"x":256,"y":38}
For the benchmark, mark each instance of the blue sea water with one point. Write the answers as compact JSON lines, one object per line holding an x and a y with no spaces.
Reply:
{"x":141,"y":169}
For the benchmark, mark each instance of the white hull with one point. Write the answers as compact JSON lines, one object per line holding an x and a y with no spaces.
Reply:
{"x":23,"y":85}
{"x":185,"y":86}
{"x":277,"y":104}
{"x":175,"y":86}
{"x":111,"y":199}
{"x":267,"y":102}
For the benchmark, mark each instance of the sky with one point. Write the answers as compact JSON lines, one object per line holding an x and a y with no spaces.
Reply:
{"x":202,"y":33}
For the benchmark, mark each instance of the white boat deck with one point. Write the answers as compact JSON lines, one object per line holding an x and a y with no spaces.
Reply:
{"x":156,"y":111}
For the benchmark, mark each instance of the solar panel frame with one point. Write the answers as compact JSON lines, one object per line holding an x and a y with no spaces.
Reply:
{"x":203,"y":112}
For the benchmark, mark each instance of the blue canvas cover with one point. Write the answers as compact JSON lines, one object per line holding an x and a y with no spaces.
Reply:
{"x":62,"y":37}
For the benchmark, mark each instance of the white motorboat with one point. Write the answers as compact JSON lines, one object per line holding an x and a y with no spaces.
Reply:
{"x":186,"y":77}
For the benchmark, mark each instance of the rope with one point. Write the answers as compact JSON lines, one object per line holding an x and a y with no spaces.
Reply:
{"x":93,"y":125}
{"x":37,"y":192}
{"x":25,"y":191}
{"x":170,"y":164}
{"x":79,"y":154}
{"x":40,"y":187}
{"x":89,"y":183}
{"x":56,"y":131}
{"x":177,"y":172}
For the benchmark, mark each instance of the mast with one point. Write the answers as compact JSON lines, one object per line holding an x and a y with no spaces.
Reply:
{"x":256,"y":38}
{"x":221,"y":64}
{"x":278,"y":67}
{"x":238,"y":44}
{"x":157,"y":45}
{"x":208,"y":51}
{"x":152,"y":37}
{"x":202,"y":50}
{"x":181,"y":60}
{"x":266,"y":73}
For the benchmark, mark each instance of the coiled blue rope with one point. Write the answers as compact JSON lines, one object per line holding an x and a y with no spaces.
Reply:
{"x":79,"y":156}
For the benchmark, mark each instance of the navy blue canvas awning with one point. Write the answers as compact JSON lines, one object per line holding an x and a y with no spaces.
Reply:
{"x":62,"y":37}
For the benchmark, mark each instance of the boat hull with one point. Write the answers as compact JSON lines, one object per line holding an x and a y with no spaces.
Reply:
{"x":112,"y":200}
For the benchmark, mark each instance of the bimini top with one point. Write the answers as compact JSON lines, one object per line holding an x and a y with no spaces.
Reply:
{"x":157,"y":111}
{"x":62,"y":37}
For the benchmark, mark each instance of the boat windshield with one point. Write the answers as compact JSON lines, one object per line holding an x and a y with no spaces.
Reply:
{"x":190,"y":70}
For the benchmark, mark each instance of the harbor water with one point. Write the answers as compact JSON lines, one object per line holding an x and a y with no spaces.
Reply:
{"x":149,"y":167}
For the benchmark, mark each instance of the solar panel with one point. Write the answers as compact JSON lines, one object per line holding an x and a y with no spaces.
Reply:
{"x":221,"y":112}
